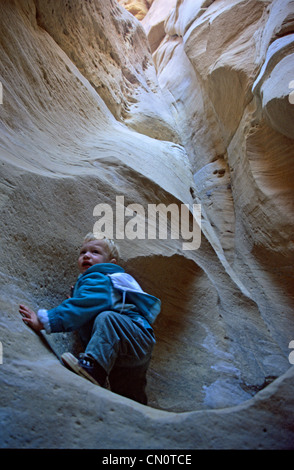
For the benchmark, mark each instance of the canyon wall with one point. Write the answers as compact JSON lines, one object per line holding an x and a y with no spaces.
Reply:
{"x":189,"y":105}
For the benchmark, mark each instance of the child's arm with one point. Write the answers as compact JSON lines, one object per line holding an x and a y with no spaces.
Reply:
{"x":91,"y":296}
{"x":30,"y":318}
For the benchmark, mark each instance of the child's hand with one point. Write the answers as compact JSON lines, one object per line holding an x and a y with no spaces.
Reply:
{"x":30,"y":318}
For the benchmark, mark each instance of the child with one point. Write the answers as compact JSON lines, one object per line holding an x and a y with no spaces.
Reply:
{"x":113,"y":316}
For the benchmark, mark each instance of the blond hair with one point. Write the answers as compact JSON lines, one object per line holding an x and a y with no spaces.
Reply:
{"x":110,"y":246}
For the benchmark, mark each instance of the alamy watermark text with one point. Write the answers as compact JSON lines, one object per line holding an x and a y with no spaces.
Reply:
{"x":155,"y":221}
{"x":291,"y":94}
{"x":291,"y":355}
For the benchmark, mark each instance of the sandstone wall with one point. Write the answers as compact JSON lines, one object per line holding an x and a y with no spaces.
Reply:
{"x":201,"y":114}
{"x":236,"y":122}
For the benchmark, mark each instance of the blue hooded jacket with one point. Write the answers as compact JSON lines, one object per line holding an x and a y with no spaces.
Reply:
{"x":104,"y":287}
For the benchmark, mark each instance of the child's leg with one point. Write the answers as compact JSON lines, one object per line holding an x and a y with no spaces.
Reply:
{"x":114,"y":336}
{"x":118,"y":340}
{"x":130,"y":382}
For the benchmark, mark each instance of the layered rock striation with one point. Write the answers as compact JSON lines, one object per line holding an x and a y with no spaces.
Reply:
{"x":189,"y":106}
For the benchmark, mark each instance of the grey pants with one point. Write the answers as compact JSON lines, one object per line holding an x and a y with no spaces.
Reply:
{"x":123,"y":349}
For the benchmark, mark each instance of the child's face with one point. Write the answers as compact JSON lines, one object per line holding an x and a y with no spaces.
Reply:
{"x":93,"y":252}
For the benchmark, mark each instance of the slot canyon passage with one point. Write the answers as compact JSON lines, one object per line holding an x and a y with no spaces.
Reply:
{"x":163,"y":101}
